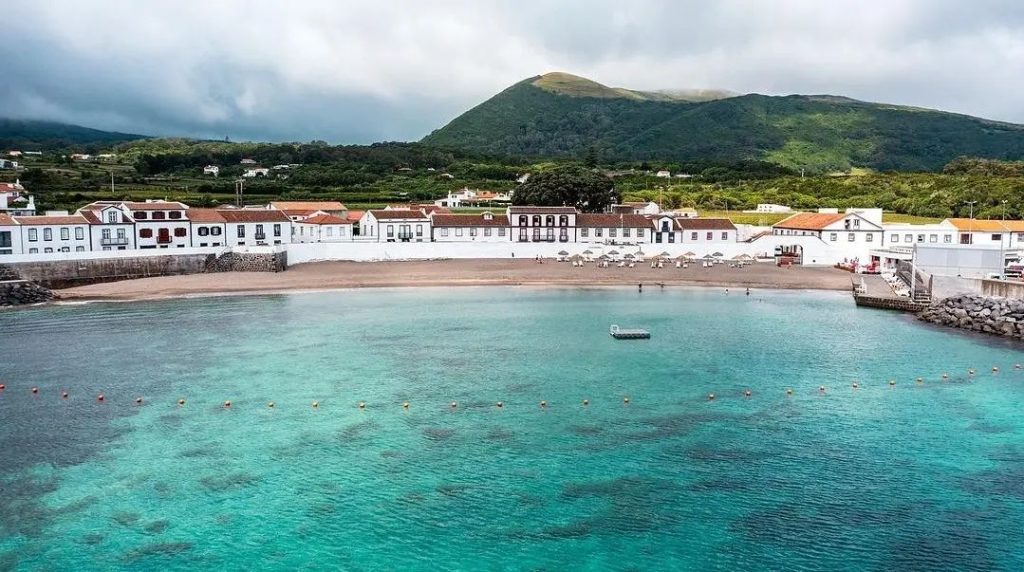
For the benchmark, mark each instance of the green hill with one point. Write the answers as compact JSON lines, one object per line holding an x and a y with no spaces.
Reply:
{"x":32,"y":135}
{"x":563,"y":115}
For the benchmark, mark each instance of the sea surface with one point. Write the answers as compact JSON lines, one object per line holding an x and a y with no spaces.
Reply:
{"x":916,"y":476}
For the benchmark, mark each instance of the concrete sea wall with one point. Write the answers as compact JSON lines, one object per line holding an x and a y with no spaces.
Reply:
{"x":991,"y":315}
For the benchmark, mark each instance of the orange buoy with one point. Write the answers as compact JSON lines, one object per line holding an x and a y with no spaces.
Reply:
{"x":586,"y":402}
{"x":405,"y":405}
{"x":543,"y":404}
{"x":362,"y":405}
{"x":138,"y":401}
{"x":711,"y":396}
{"x":747,"y":393}
{"x":35,"y":390}
{"x":181,"y":402}
{"x":499,"y":405}
{"x":227,"y":404}
{"x":99,"y":397}
{"x":63,"y":395}
{"x":315,"y":404}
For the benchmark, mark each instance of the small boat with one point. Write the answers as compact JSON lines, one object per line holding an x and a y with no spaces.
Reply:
{"x":628,"y":333}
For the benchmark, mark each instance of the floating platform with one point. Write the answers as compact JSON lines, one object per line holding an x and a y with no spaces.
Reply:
{"x":629,"y":333}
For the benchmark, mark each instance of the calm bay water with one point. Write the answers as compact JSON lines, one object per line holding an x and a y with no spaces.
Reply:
{"x":918,"y":477}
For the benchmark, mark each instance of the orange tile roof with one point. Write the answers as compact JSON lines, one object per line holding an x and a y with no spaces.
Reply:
{"x":5,"y":219}
{"x":156,"y":206}
{"x":398,"y":214}
{"x":205,"y":215}
{"x":325,"y":219}
{"x":979,"y":225}
{"x":52,"y":219}
{"x":254,"y":215}
{"x":308,"y":205}
{"x":609,"y":220}
{"x":354,"y":216}
{"x":467,"y":220}
{"x":810,"y":221}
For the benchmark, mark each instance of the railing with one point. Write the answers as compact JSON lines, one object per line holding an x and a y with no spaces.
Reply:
{"x":119,"y":241}
{"x":261,"y":236}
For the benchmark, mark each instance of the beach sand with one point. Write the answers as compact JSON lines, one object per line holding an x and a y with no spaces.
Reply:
{"x":477,"y":272}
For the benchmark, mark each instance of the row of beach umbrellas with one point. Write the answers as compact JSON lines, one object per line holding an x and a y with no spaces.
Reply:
{"x":615,"y":254}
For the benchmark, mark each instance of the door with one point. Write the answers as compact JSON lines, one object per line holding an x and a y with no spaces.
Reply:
{"x":163,"y":235}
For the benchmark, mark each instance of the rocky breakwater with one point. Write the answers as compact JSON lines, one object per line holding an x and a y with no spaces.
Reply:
{"x":998,"y":316}
{"x":21,"y":292}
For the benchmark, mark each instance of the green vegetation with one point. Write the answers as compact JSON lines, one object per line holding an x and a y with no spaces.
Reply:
{"x":584,"y":189}
{"x":30,"y":135}
{"x":559,"y":115}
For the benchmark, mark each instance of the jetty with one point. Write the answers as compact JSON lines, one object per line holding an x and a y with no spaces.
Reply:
{"x":629,"y":333}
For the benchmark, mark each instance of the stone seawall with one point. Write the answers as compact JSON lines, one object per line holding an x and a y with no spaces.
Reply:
{"x":20,"y":292}
{"x":990,"y":315}
{"x":68,"y":273}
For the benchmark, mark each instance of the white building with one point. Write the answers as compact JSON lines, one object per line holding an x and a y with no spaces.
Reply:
{"x":256,"y":227}
{"x":663,"y":174}
{"x":14,"y":201}
{"x":613,"y":228}
{"x":772,"y":208}
{"x":159,"y":224}
{"x":298,"y":210}
{"x":706,"y":230}
{"x":10,"y":236}
{"x":56,"y":231}
{"x":247,"y":161}
{"x":110,"y":226}
{"x":833,"y":227}
{"x":640,"y":208}
{"x":211,"y":170}
{"x":256,"y":172}
{"x":395,"y":225}
{"x":473,"y":197}
{"x":8,"y":164}
{"x":903,"y":234}
{"x":542,"y":224}
{"x":322,"y":227}
{"x":483,"y":227}
{"x":208,"y":228}
{"x":988,"y":233}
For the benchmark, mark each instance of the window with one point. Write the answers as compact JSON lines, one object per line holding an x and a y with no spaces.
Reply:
{"x":330,"y":230}
{"x":458,"y":232}
{"x":341,"y":231}
{"x":997,"y":237}
{"x":501,"y":231}
{"x":180,"y":232}
{"x":120,"y":234}
{"x":48,"y":250}
{"x":33,"y":234}
{"x":145,"y":233}
{"x":851,"y":237}
{"x":710,"y":236}
{"x":611,"y":232}
{"x":522,"y":220}
{"x":870,"y":237}
{"x":833,"y":236}
{"x":625,"y":233}
{"x":112,"y":216}
{"x":203,"y":231}
{"x":725,"y":235}
{"x":487,"y":231}
{"x":79,"y":249}
{"x":563,"y":221}
{"x":259,"y":232}
{"x":639,"y":233}
{"x":551,"y":234}
{"x":140,"y":216}
{"x":908,"y":238}
{"x":277,"y":230}
{"x":215,"y":231}
{"x":920,"y":238}
{"x":241,"y":231}
{"x":65,"y":233}
{"x":158,"y":215}
{"x":47,"y":234}
{"x":472,"y":231}
{"x":894,"y":238}
{"x":443,"y":233}
{"x":549,"y":220}
{"x":5,"y":239}
{"x":693,"y":235}
{"x":105,"y":234}
{"x":598,"y":232}
{"x":33,"y":251}
{"x":419,"y":230}
{"x":391,"y":231}
{"x":584,"y":232}
{"x":536,"y":220}
{"x":664,"y":226}
{"x":79,"y":233}
{"x":856,"y":223}
{"x":65,"y":249}
{"x":174,"y":214}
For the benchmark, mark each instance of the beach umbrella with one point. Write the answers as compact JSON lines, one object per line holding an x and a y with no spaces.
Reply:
{"x":587,"y":252}
{"x":746,"y":256}
{"x":665,"y":254}
{"x":628,"y":255}
{"x":739,"y":257}
{"x":613,"y":254}
{"x":717,"y":254}
{"x":690,"y":255}
{"x":603,"y":257}
{"x":563,"y":253}
{"x":708,"y":257}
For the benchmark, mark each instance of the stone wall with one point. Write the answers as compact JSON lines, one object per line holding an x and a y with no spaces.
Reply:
{"x":998,"y":316}
{"x":68,"y":273}
{"x":247,"y":262}
{"x":20,"y":292}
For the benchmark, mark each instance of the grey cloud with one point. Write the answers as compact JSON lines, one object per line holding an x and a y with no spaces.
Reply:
{"x":388,"y":70}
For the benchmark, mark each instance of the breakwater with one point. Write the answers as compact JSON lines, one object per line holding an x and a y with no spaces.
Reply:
{"x":991,"y":315}
{"x":21,"y":292}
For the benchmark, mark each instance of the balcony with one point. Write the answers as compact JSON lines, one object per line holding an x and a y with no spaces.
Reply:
{"x":261,"y":236}
{"x":119,"y":241}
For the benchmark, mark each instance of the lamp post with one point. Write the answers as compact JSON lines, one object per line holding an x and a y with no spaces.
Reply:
{"x":970,"y":224}
{"x":1002,"y":255}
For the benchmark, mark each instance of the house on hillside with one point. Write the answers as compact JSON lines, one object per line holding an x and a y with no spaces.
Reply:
{"x":256,"y":172}
{"x":211,"y":170}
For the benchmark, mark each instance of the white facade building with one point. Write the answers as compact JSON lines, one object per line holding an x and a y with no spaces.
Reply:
{"x":322,"y":227}
{"x":256,"y":227}
{"x":483,"y":227}
{"x":159,"y":224}
{"x":54,"y":232}
{"x":211,"y":170}
{"x":706,"y":230}
{"x":772,"y":208}
{"x":542,"y":224}
{"x":613,"y":228}
{"x":10,"y":236}
{"x":395,"y":225}
{"x":110,"y":227}
{"x":208,"y":228}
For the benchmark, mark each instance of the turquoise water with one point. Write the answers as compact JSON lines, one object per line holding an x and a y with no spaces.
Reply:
{"x":918,"y":477}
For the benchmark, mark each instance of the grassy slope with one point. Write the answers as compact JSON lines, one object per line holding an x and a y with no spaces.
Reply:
{"x":566,"y":115}
{"x":34,"y":135}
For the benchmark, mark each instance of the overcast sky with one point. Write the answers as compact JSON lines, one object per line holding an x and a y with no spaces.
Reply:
{"x":361,"y":71}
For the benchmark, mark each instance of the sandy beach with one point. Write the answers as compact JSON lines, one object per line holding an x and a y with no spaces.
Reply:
{"x":335,"y":275}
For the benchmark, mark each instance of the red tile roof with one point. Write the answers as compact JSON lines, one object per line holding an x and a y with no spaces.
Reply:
{"x":308,"y":205}
{"x":156,"y":206}
{"x":298,"y":212}
{"x":810,"y":221}
{"x":354,"y":216}
{"x":398,"y":214}
{"x":705,"y":223}
{"x":541,"y":210}
{"x":6,"y":220}
{"x":51,"y":220}
{"x":205,"y":215}
{"x":325,"y":219}
{"x":465,"y":220}
{"x":591,"y":220}
{"x":253,"y":215}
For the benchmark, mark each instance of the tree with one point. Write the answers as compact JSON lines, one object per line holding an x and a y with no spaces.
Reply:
{"x":567,"y":186}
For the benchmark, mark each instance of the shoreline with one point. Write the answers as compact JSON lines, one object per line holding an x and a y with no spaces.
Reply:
{"x":335,"y":276}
